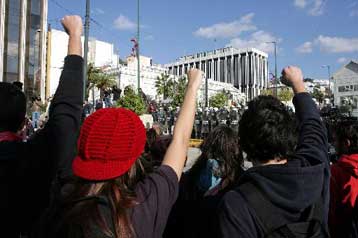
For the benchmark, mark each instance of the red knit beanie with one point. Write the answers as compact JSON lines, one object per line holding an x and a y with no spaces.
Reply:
{"x":111,"y":140}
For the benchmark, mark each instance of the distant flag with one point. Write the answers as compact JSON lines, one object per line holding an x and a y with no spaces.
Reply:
{"x":135,"y":47}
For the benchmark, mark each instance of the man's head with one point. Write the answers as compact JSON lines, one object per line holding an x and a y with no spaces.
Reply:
{"x":267,"y":130}
{"x":12,"y":107}
{"x":347,"y":137}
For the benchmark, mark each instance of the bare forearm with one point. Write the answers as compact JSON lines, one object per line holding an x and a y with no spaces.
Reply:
{"x":177,"y":151}
{"x":75,"y":45}
{"x":184,"y":125}
{"x":298,"y":88}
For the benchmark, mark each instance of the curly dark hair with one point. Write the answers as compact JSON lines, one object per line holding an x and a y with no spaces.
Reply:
{"x":268,"y":130}
{"x":347,"y":130}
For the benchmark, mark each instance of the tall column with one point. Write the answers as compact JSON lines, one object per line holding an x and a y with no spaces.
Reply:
{"x":43,"y":34}
{"x":218,"y":70}
{"x":2,"y":37}
{"x":232,"y":69}
{"x":22,"y":43}
{"x":225,"y":69}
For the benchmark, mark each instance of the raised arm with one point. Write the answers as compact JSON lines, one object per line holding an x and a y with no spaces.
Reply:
{"x":66,"y":107}
{"x":176,"y":154}
{"x":312,"y":144}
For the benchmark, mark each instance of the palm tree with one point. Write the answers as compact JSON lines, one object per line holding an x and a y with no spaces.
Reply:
{"x":165,"y":85}
{"x":98,"y":78}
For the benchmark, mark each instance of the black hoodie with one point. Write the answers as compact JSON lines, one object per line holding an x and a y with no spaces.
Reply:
{"x":27,"y":169}
{"x":292,"y":187}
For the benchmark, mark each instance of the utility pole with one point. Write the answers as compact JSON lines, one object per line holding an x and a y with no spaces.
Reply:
{"x":276,"y":79}
{"x":138,"y":45}
{"x":329,"y":77}
{"x":87,"y":25}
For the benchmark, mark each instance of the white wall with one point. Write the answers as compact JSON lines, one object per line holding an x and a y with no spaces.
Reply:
{"x":100,"y":53}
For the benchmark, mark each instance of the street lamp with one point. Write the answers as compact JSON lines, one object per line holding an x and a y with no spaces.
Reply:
{"x":275,"y":44}
{"x":329,"y":76}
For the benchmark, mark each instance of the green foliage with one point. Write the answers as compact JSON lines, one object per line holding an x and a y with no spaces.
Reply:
{"x":179,"y":93}
{"x":219,"y":100}
{"x":165,"y":85}
{"x":318,"y":95}
{"x":132,"y":101}
{"x":285,"y":95}
{"x":267,"y":92}
{"x":98,"y":78}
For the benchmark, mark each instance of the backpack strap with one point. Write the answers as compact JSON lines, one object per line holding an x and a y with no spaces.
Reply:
{"x":269,"y":217}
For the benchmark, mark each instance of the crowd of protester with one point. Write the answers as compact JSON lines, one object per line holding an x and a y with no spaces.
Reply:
{"x":110,"y":177}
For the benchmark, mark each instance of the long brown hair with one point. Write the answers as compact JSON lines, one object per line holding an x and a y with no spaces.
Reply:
{"x":82,"y":206}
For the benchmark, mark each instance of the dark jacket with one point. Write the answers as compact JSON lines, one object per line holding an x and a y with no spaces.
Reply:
{"x":344,"y":194}
{"x":27,"y":168}
{"x":292,"y":187}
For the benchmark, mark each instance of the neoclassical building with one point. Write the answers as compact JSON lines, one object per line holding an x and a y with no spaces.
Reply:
{"x":246,"y":69}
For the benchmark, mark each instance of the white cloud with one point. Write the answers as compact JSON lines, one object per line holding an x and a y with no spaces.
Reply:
{"x":313,"y":7}
{"x":124,"y":23}
{"x":300,"y":3}
{"x":342,"y":60}
{"x":305,"y":48}
{"x":354,"y":13}
{"x":337,"y":44}
{"x":227,"y":29}
{"x":257,"y":40}
{"x":318,"y":8}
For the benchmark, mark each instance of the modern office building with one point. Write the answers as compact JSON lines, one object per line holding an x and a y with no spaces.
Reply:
{"x":246,"y":69}
{"x":346,"y":86}
{"x":23,"y":44}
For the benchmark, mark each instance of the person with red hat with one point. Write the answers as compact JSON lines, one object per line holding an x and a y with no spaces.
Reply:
{"x":111,"y":196}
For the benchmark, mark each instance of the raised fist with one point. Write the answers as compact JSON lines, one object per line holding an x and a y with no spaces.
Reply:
{"x":292,"y":76}
{"x":195,"y":77}
{"x":72,"y":25}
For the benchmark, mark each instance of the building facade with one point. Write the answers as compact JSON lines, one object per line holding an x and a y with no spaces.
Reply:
{"x":247,"y":69}
{"x":100,"y":53}
{"x":149,"y":72}
{"x":23,"y":44}
{"x":346,"y":86}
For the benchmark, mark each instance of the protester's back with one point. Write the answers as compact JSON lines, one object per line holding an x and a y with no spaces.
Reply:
{"x":110,"y":195}
{"x":344,"y":181}
{"x":214,"y":173}
{"x":289,"y":181}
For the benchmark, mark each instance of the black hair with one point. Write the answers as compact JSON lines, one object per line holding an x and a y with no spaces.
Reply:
{"x":222,"y":145}
{"x":347,"y":130}
{"x":268,"y":130}
{"x":12,"y":107}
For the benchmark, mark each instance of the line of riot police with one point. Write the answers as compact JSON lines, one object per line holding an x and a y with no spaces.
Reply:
{"x":205,"y":119}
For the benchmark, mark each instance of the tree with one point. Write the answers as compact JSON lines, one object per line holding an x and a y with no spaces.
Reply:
{"x":285,"y":95}
{"x":132,"y":101}
{"x":98,"y":78}
{"x":318,"y":95}
{"x":165,"y":85}
{"x":179,"y":93}
{"x":267,"y":92}
{"x":219,"y":100}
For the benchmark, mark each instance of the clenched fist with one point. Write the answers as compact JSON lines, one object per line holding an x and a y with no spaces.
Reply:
{"x":72,"y":25}
{"x":292,"y":76}
{"x":195,"y":77}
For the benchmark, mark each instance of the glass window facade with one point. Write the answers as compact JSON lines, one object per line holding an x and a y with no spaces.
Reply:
{"x":12,"y":38}
{"x":12,"y":44}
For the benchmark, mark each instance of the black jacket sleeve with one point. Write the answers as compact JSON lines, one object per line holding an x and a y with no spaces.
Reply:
{"x":312,"y":147}
{"x":312,"y":142}
{"x":65,"y":116}
{"x":56,"y":143}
